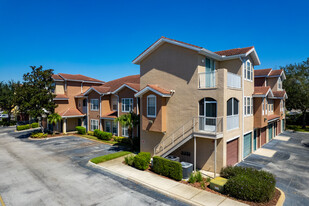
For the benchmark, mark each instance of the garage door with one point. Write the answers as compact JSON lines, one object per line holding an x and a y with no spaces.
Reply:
{"x":247,"y":144}
{"x":232,"y":152}
{"x":263,"y":136}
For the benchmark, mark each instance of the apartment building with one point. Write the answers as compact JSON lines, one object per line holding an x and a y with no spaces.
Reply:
{"x":199,"y":105}
{"x":68,"y":90}
{"x":269,"y":105}
{"x":109,"y":101}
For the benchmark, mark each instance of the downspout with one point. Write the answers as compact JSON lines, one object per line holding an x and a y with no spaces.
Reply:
{"x":243,"y":118}
{"x":100,"y":113}
{"x":117,"y":114}
{"x":137,"y":112}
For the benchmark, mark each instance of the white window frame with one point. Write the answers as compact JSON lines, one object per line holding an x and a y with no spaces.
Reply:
{"x":123,"y":105}
{"x":250,"y":70}
{"x":155,"y":105}
{"x":271,"y":106}
{"x":248,"y":104}
{"x":92,"y":105}
{"x":266,"y":106}
{"x":245,"y":108}
{"x":94,"y":123}
{"x":263,"y":106}
{"x":114,"y":103}
{"x":125,"y":130}
{"x":279,"y":83}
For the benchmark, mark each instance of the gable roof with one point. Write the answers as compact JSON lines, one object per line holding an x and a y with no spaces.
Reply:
{"x":71,"y":112}
{"x":61,"y":97}
{"x":262,"y":72}
{"x":262,"y":91}
{"x":156,"y":89}
{"x":111,"y":86}
{"x":280,"y":94}
{"x":219,"y":55}
{"x":77,"y":77}
{"x":56,"y":77}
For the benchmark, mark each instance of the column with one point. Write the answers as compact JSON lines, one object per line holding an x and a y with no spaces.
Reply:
{"x":215,"y":162}
{"x":194,"y":154}
{"x":64,"y":127}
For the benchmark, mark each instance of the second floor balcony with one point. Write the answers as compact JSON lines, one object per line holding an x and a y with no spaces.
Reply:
{"x":212,"y":80}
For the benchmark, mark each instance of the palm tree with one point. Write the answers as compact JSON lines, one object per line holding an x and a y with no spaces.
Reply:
{"x":54,"y":119}
{"x":129,"y":120}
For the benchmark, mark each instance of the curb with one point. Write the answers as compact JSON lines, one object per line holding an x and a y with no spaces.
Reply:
{"x":281,"y":198}
{"x":47,"y":138}
{"x":163,"y":192}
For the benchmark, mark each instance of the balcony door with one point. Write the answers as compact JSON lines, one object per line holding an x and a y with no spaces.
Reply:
{"x":208,"y":114}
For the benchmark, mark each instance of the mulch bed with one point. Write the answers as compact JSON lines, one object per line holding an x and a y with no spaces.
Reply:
{"x":199,"y":186}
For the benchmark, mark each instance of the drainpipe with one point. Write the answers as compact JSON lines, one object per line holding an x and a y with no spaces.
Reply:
{"x":243,"y":119}
{"x":194,"y":153}
{"x":100,"y":114}
{"x":117,"y":114}
{"x":215,"y":168}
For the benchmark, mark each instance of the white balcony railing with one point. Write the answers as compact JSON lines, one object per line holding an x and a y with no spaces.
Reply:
{"x":207,"y":79}
{"x":210,"y":124}
{"x":232,"y":122}
{"x":233,"y":80}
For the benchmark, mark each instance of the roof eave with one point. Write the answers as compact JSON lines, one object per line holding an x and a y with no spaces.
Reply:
{"x":122,"y":86}
{"x":146,"y":89}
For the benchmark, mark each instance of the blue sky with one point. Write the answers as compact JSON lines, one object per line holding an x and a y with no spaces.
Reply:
{"x":101,"y":38}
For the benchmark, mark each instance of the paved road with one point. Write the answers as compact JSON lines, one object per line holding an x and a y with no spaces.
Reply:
{"x":54,"y":172}
{"x":290,"y":164}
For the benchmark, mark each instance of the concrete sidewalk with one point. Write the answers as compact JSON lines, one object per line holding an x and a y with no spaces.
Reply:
{"x":177,"y":190}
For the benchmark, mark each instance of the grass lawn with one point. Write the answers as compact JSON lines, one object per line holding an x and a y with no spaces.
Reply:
{"x":105,"y":158}
{"x":297,"y":128}
{"x":95,"y":138}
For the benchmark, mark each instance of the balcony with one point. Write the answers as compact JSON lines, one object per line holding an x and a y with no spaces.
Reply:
{"x":211,"y":125}
{"x":207,"y":80}
{"x":233,"y":80}
{"x":232,"y":122}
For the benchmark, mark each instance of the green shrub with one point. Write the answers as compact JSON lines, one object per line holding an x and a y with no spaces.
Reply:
{"x":167,"y":168}
{"x":23,"y":127}
{"x":142,"y":160}
{"x":38,"y":135}
{"x":192,"y":178}
{"x":195,"y":177}
{"x":80,"y":129}
{"x":120,"y":139}
{"x":90,"y":133}
{"x":129,"y":160}
{"x":103,"y":135}
{"x":105,"y":158}
{"x":249,"y":184}
{"x":34,"y":125}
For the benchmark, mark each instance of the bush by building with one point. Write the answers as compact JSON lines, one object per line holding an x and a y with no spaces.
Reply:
{"x":38,"y":135}
{"x":23,"y":127}
{"x":35,"y":125}
{"x":103,"y":135}
{"x":80,"y":129}
{"x":142,"y":160}
{"x":167,"y":168}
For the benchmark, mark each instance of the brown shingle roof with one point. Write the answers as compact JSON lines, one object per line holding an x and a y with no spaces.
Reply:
{"x":159,"y":89}
{"x":61,"y":96}
{"x":110,"y":115}
{"x":262,"y":72}
{"x":101,"y":89}
{"x":279,"y":93}
{"x":261,"y":90}
{"x":71,"y":112}
{"x":56,"y":77}
{"x":78,"y":77}
{"x":275,"y":72}
{"x":236,"y":51}
{"x":134,"y":86}
{"x":273,"y":116}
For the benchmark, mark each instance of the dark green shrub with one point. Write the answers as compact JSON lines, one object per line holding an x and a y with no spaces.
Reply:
{"x":146,"y":155}
{"x":129,"y":160}
{"x":80,"y":130}
{"x":249,"y":184}
{"x":103,"y":135}
{"x":38,"y":135}
{"x":120,"y":139}
{"x":167,"y":168}
{"x":34,"y":125}
{"x":195,"y":177}
{"x":141,"y":161}
{"x":23,"y":127}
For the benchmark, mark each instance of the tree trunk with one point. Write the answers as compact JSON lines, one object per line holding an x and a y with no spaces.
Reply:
{"x":304,"y":119}
{"x":9,"y":118}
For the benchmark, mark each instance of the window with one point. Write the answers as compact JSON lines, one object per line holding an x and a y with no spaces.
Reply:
{"x":127,"y":104}
{"x":125,"y":131}
{"x":248,"y":106}
{"x":94,"y":104}
{"x":266,"y":103}
{"x":53,"y":86}
{"x":94,"y":124}
{"x":207,"y":79}
{"x":279,"y":83}
{"x":115,"y":128}
{"x":232,"y":107}
{"x":151,"y":106}
{"x":263,"y":107}
{"x":248,"y":70}
{"x":114,"y":104}
{"x":271,"y":105}
{"x":84,"y":102}
{"x":107,"y":126}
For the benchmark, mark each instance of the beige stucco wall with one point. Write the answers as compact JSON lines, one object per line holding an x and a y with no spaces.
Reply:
{"x":273,"y":83}
{"x":59,"y":87}
{"x":175,"y":68}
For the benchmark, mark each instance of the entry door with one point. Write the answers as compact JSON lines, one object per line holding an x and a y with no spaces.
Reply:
{"x":232,"y":152}
{"x":247,"y":144}
{"x":275,"y":129}
{"x":270,"y":132}
{"x":208,"y":114}
{"x":255,"y":140}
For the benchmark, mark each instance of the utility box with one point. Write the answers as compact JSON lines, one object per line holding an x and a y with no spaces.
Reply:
{"x":217,"y":184}
{"x":187,"y":169}
{"x":173,"y":158}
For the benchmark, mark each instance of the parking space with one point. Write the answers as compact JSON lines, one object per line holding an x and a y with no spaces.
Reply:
{"x":288,"y":158}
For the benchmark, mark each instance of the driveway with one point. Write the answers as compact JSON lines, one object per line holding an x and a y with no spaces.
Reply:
{"x":288,"y":159}
{"x":54,"y":172}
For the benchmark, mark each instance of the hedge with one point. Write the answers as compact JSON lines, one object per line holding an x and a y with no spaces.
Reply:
{"x":167,"y":168}
{"x":23,"y":127}
{"x":38,"y":135}
{"x":249,"y":184}
{"x":120,"y":139}
{"x":80,"y":129}
{"x":34,"y":125}
{"x":103,"y":135}
{"x":142,"y":160}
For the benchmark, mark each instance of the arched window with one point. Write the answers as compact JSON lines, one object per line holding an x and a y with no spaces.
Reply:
{"x":232,"y":119}
{"x":151,"y":106}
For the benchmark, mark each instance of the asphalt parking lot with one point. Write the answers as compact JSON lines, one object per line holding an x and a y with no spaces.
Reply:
{"x":55,"y":172}
{"x":290,"y":164}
